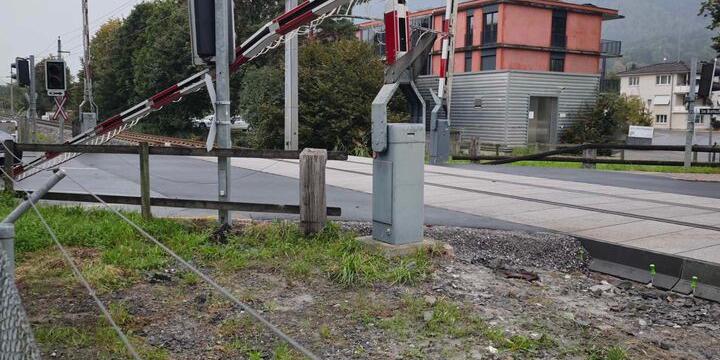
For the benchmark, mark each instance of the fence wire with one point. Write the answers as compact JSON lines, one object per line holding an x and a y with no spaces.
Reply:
{"x":16,"y":338}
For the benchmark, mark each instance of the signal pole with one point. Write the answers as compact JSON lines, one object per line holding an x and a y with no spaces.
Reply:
{"x":32,"y":111}
{"x":89,"y":119}
{"x":61,"y":120}
{"x":12,"y":95}
{"x":291,"y":87}
{"x":690,"y":135}
{"x":222,"y":104}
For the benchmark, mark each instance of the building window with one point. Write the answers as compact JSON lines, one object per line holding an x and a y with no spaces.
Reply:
{"x":634,"y":80}
{"x":490,"y":27}
{"x":468,"y":61}
{"x":699,"y":119}
{"x":661,"y":119}
{"x":469,"y":28}
{"x":557,"y":62}
{"x":489,"y":58}
{"x":559,"y":29}
{"x":662,"y":80}
{"x":683,"y":79}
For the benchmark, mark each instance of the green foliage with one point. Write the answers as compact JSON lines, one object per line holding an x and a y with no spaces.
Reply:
{"x":337,"y":82}
{"x":150,"y":50}
{"x":608,"y":120}
{"x":711,"y":9}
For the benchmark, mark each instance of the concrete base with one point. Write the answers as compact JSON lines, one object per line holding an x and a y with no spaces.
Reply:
{"x":390,"y":250}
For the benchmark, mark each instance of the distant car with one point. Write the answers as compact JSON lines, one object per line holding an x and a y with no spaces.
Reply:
{"x":236,"y":122}
{"x":203,"y":122}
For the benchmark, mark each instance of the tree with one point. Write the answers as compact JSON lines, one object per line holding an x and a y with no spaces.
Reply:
{"x":337,"y":83}
{"x":608,"y":120}
{"x":711,"y":9}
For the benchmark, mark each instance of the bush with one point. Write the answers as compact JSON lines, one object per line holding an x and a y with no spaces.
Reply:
{"x":608,"y":120}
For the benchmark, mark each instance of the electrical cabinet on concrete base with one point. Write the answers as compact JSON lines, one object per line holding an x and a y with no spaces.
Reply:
{"x":398,"y":185}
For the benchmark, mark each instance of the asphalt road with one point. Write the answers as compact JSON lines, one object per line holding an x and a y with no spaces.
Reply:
{"x":610,"y":178}
{"x":187,"y":178}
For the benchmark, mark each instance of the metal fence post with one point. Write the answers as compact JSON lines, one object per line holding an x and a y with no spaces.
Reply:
{"x":8,"y":165}
{"x":7,"y":244}
{"x":313,"y":201}
{"x":145,"y":180}
{"x":589,"y":154}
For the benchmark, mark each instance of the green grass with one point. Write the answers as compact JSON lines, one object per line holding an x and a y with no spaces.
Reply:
{"x":618,"y":167}
{"x":447,"y":318}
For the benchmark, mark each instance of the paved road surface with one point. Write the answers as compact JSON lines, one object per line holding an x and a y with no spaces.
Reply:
{"x":663,"y":215}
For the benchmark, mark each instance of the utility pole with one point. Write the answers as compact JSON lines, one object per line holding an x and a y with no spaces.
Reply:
{"x":222,"y":104}
{"x":690,"y":135}
{"x":87,"y":119}
{"x":291,"y":88}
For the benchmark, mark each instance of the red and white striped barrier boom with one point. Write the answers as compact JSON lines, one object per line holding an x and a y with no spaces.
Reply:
{"x":259,"y":42}
{"x":447,"y":52}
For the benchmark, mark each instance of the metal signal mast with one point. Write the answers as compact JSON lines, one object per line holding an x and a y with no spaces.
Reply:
{"x":88,"y":120}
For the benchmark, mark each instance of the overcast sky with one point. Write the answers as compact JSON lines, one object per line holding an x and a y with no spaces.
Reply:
{"x":32,"y":26}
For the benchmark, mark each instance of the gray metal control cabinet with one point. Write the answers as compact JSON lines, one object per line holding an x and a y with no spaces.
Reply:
{"x":398,"y":205}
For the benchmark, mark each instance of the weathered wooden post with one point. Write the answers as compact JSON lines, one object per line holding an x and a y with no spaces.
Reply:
{"x":8,"y":165}
{"x":589,"y":154}
{"x":145,"y":181}
{"x":474,"y":147}
{"x":313,"y":201}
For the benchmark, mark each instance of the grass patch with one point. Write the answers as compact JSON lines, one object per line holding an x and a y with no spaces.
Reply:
{"x":444,"y":318}
{"x":619,"y":167}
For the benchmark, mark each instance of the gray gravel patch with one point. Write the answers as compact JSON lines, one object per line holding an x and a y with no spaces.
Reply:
{"x":505,"y":249}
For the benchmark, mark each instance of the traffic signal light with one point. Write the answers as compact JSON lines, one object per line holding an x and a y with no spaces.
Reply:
{"x":708,"y":85}
{"x":22,"y":71}
{"x":55,"y":77}
{"x":202,"y":26}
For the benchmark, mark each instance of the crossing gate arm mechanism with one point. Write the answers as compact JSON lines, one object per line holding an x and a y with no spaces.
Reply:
{"x":269,"y":34}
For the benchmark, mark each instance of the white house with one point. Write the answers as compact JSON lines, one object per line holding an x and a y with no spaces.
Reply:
{"x":663,"y":88}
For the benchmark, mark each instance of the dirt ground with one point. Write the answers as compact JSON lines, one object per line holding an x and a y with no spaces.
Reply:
{"x":503,"y":295}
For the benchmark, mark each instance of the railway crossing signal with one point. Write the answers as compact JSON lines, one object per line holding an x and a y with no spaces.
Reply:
{"x":55,"y":79}
{"x":22,"y":71}
{"x":202,"y":27}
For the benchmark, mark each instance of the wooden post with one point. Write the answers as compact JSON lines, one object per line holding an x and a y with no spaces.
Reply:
{"x":145,"y":180}
{"x":474,"y":147}
{"x":9,"y":149}
{"x":313,"y":201}
{"x":589,"y":154}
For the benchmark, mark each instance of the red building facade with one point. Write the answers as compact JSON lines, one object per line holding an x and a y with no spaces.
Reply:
{"x":529,"y":35}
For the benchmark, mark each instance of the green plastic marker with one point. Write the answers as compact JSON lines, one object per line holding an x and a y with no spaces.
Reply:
{"x":653,"y":272}
{"x":694,"y":284}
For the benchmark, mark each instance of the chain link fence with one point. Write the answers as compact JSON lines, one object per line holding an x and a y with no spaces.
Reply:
{"x":16,"y":338}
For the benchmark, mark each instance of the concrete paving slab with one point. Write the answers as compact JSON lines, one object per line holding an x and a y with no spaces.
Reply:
{"x":677,"y":242}
{"x":710,"y":254}
{"x":631,"y":231}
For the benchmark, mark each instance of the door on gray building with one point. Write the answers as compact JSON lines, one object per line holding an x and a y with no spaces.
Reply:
{"x":542,"y":120}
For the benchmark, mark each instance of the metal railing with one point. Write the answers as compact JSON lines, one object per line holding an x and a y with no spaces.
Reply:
{"x":610,"y":48}
{"x":590,"y":151}
{"x":610,"y":86}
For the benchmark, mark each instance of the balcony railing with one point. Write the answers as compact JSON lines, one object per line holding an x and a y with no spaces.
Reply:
{"x":558,"y":41}
{"x":610,"y":48}
{"x":610,"y":86}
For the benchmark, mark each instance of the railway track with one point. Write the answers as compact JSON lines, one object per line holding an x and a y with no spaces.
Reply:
{"x":556,"y":203}
{"x":153,"y":140}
